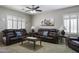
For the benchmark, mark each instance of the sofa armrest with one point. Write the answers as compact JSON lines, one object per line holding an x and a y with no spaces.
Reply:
{"x":74,"y":38}
{"x":4,"y":39}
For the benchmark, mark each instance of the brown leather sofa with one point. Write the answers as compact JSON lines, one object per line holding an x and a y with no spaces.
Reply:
{"x":48,"y":35}
{"x":11,"y":36}
{"x":73,"y":43}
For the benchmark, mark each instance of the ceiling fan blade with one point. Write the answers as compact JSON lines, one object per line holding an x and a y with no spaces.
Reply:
{"x":36,"y":7}
{"x":39,"y":10}
{"x":28,"y":7}
{"x":27,"y":10}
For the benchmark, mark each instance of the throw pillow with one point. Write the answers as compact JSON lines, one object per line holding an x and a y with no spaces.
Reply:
{"x":45,"y":33}
{"x":18,"y":34}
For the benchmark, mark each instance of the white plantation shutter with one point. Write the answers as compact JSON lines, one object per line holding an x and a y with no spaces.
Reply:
{"x":15,"y":22}
{"x":71,"y":24}
{"x":9,"y":22}
{"x":66,"y":23}
{"x":23,"y":23}
{"x":19,"y":23}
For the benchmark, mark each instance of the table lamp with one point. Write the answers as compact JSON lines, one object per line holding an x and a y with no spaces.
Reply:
{"x":62,"y":28}
{"x":33,"y":29}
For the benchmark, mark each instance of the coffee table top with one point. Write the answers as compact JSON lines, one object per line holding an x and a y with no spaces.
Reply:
{"x":31,"y":38}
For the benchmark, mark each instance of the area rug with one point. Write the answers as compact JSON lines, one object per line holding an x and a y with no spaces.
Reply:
{"x":31,"y":46}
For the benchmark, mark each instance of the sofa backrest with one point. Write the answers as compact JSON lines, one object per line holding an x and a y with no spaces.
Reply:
{"x":48,"y":32}
{"x":13,"y":32}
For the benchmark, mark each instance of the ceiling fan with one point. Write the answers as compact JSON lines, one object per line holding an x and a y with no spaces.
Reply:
{"x":33,"y":9}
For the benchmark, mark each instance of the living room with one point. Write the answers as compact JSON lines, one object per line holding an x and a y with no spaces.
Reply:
{"x":57,"y":24}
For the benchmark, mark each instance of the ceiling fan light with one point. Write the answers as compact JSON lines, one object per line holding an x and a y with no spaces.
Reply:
{"x":33,"y":11}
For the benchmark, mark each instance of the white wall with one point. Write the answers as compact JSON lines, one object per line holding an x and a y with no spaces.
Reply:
{"x":56,"y":14}
{"x":5,"y":11}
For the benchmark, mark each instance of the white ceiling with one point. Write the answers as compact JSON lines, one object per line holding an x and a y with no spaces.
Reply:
{"x":42,"y":7}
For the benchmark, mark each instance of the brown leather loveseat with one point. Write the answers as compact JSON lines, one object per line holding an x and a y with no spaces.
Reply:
{"x":11,"y":36}
{"x":48,"y":35}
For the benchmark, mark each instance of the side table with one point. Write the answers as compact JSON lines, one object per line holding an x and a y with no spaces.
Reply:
{"x":61,"y":39}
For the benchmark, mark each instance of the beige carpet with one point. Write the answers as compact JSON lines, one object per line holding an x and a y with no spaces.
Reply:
{"x":28,"y":48}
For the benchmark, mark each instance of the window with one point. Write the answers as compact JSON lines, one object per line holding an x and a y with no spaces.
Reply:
{"x":19,"y":23}
{"x":9,"y":22}
{"x":73,"y":25}
{"x":78,"y":25}
{"x":23,"y":23}
{"x":15,"y":22}
{"x":66,"y":23}
{"x":70,"y":22}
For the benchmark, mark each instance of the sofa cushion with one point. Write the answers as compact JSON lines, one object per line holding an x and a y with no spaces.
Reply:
{"x":51,"y":34}
{"x":78,"y":38}
{"x":10,"y":34}
{"x":40,"y":33}
{"x":74,"y":38}
{"x":74,"y":42}
{"x":24,"y":32}
{"x":49,"y":37}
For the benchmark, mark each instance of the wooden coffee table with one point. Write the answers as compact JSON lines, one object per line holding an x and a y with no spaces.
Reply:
{"x":34,"y":40}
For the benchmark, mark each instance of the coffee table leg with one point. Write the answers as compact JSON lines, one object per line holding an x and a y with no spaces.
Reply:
{"x":22,"y":42}
{"x":34,"y":44}
{"x":40,"y":42}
